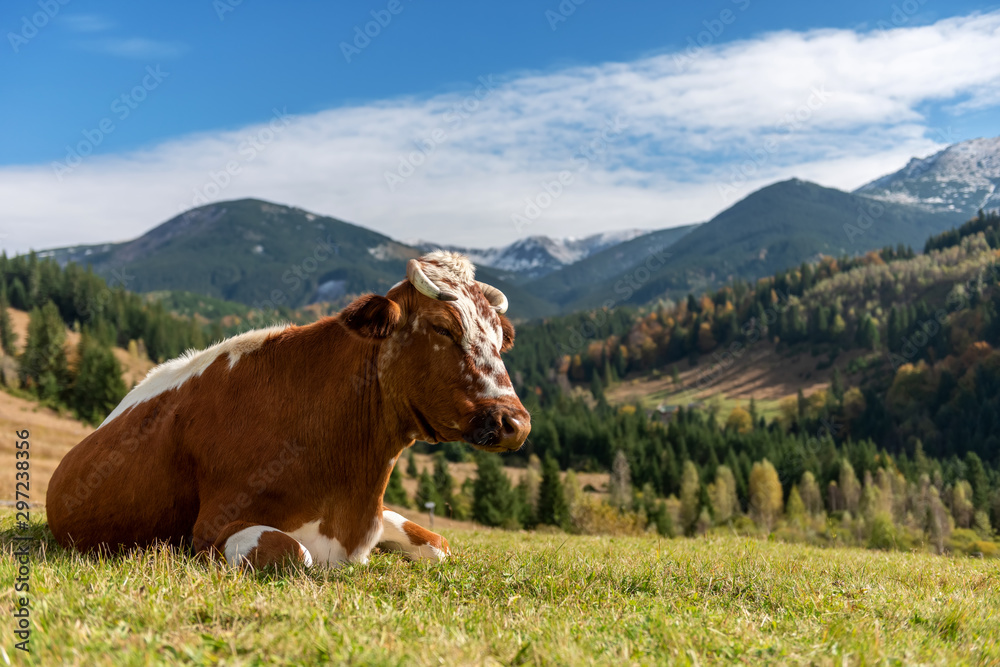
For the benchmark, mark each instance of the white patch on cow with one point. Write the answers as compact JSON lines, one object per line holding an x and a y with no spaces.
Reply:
{"x":241,"y":543}
{"x":456,"y":265}
{"x":394,"y":538}
{"x":325,"y":550}
{"x":329,"y":551}
{"x":174,"y":373}
{"x":482,"y":337}
{"x":373,"y":537}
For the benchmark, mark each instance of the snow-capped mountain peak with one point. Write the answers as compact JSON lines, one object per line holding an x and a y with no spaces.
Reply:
{"x":963,"y":177}
{"x":536,"y":256}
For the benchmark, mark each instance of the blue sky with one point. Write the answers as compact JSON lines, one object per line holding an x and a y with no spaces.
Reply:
{"x":834,"y":92}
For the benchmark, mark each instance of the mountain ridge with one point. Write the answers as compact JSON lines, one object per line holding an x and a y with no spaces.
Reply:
{"x":536,"y":256}
{"x":962,"y":178}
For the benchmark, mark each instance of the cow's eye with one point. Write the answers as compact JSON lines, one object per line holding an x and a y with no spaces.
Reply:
{"x":445,"y":332}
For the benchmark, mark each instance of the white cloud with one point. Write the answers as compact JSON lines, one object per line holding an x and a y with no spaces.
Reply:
{"x":837,"y":106}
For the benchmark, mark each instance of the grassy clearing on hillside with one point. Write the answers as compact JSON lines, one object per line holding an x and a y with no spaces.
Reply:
{"x":517,"y":598}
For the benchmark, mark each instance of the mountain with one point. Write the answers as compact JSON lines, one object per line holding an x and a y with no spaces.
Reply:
{"x":962,"y":178}
{"x":537,"y":256}
{"x":772,"y":229}
{"x":264,"y":254}
{"x":259,"y":253}
{"x":572,"y":282}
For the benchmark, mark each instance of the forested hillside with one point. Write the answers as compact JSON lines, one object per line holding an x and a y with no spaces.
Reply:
{"x":88,"y":382}
{"x":775,"y":227}
{"x":900,"y":448}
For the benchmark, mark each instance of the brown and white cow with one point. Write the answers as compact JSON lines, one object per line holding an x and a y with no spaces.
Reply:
{"x":278,"y":443}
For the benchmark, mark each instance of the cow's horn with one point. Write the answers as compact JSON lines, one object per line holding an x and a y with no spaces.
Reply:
{"x":424,"y":284}
{"x":496,"y":298}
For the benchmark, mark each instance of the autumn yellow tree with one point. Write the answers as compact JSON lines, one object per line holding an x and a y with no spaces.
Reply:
{"x":765,"y":494}
{"x":850,"y":488}
{"x":796,"y":509}
{"x":810,"y":493}
{"x":722,"y":493}
{"x":739,"y":420}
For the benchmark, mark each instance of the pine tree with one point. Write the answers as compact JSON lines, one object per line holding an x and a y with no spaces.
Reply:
{"x":411,"y":465}
{"x":492,"y":497}
{"x":976,"y":474}
{"x":690,"y":494}
{"x":525,"y":508}
{"x":43,"y":362}
{"x":97,"y":387}
{"x":444,"y":483}
{"x":597,"y":388}
{"x":552,"y":508}
{"x":837,"y":385}
{"x":395,"y":494}
{"x":427,"y":492}
{"x":18,"y":295}
{"x":7,"y":335}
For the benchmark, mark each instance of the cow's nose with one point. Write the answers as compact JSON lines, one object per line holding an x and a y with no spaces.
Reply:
{"x":515,"y":425}
{"x":505,"y":426}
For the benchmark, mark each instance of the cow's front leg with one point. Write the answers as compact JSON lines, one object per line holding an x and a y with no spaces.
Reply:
{"x":243,"y":543}
{"x":402,"y":535}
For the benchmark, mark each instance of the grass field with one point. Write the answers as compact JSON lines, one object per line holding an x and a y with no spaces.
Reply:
{"x":515,"y":598}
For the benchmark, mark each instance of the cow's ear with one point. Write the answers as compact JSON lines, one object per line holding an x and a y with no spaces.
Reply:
{"x":508,"y":333}
{"x":371,"y":316}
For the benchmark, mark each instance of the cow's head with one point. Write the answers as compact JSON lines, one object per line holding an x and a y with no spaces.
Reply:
{"x":441,"y":334}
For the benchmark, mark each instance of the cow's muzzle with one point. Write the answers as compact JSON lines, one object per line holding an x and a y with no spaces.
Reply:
{"x":500,"y":428}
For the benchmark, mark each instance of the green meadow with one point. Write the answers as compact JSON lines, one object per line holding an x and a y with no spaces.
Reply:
{"x":513,"y":598}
